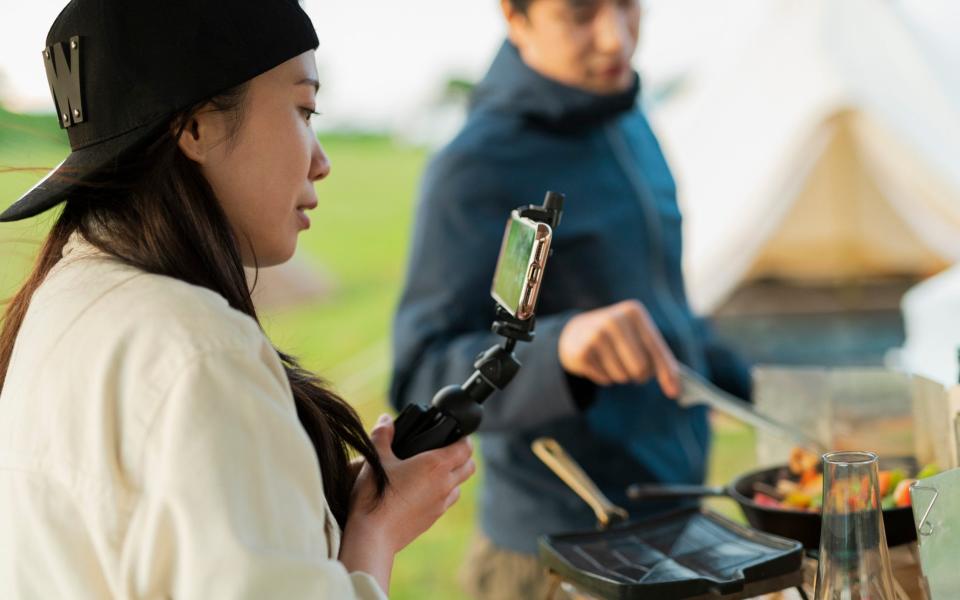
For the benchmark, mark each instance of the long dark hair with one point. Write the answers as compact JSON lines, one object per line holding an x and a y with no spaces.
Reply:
{"x":157,"y":213}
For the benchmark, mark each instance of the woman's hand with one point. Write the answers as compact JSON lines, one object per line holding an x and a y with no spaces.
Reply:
{"x":421,"y":489}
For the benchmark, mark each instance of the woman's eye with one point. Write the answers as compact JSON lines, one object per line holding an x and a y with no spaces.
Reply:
{"x":308,"y":113}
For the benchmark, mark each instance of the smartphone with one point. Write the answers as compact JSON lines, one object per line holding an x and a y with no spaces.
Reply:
{"x":523,"y":257}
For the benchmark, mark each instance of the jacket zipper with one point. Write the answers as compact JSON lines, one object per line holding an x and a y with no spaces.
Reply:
{"x":664,"y":295}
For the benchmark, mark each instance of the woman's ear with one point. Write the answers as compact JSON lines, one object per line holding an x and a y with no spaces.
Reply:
{"x":200,"y":134}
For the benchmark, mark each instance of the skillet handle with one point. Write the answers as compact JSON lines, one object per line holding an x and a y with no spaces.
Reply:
{"x":642,"y":491}
{"x":562,"y":464}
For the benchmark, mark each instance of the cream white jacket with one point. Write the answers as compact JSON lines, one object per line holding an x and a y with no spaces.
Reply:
{"x":150,"y":448}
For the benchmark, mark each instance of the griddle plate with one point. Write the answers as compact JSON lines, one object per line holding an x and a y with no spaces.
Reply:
{"x":683,"y":554}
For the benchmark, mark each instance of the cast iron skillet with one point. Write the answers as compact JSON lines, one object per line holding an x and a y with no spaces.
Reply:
{"x":798,"y":525}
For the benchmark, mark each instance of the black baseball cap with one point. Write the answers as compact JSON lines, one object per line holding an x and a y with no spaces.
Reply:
{"x":120,"y":69}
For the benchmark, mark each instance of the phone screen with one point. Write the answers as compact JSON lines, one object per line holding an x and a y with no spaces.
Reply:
{"x":510,"y":278}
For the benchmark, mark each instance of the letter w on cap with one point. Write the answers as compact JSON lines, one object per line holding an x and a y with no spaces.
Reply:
{"x":64,"y":78}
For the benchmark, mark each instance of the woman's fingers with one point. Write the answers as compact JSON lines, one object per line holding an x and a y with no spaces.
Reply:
{"x":451,"y":498}
{"x":463,"y":472}
{"x":448,"y":457}
{"x":459,"y":452}
{"x":382,"y":436}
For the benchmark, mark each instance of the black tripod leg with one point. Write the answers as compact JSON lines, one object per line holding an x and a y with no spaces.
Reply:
{"x":419,"y":430}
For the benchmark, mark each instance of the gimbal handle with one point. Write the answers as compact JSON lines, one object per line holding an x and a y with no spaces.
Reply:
{"x":457,"y":410}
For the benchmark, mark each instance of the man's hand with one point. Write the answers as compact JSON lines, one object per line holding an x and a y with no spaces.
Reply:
{"x":618,"y":344}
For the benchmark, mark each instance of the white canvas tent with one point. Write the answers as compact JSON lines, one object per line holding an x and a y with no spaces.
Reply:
{"x":818,"y":142}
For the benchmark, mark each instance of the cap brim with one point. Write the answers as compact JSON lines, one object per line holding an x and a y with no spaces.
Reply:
{"x":81,"y":168}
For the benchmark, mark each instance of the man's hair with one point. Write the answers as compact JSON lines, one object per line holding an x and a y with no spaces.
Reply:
{"x":521,"y":6}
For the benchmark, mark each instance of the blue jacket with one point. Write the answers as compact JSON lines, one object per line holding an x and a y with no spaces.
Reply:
{"x":619,"y":239}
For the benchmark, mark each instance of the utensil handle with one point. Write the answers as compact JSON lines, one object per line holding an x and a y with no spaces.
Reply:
{"x":640,"y":491}
{"x":562,"y":464}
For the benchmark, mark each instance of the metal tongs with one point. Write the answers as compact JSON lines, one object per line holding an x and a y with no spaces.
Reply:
{"x":697,"y":390}
{"x":562,"y":464}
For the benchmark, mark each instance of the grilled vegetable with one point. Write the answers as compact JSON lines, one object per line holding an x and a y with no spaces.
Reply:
{"x":802,"y":489}
{"x":901,"y":495}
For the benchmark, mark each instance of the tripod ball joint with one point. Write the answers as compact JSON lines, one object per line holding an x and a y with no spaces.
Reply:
{"x":457,"y":410}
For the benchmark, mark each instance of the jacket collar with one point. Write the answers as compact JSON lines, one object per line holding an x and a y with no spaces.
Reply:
{"x":513,"y":87}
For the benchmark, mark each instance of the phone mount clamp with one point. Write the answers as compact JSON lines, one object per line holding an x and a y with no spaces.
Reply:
{"x":457,"y":410}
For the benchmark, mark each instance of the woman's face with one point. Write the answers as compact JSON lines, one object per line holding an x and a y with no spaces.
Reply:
{"x":264,"y":175}
{"x":585,"y":44}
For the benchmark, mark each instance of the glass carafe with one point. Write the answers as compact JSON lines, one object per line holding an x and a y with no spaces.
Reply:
{"x":854,"y":560}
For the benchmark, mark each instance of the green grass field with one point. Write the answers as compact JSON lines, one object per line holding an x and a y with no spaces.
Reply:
{"x":359,"y":236}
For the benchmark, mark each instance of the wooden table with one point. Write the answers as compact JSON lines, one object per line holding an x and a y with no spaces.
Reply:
{"x":904,"y":560}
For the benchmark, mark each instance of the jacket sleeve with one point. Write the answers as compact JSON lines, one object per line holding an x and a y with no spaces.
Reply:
{"x":728,"y":370}
{"x":233,"y":503}
{"x":445,"y":313}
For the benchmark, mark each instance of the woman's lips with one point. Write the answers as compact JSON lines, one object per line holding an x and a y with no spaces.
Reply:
{"x":302,"y":209}
{"x":302,"y":218}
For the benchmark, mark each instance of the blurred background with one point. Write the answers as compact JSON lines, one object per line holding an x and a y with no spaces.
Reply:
{"x":816,"y":144}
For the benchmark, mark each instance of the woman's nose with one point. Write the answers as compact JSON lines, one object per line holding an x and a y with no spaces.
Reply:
{"x":320,"y":165}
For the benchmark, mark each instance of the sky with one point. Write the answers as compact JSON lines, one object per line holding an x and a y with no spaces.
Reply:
{"x":382,"y":61}
{"x":370,"y":51}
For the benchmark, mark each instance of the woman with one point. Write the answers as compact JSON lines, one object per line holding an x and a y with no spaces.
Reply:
{"x":153,"y":443}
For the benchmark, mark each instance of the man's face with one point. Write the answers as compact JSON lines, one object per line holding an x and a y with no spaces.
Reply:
{"x":585,"y":44}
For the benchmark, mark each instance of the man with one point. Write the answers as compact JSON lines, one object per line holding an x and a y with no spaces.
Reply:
{"x":558,"y":111}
